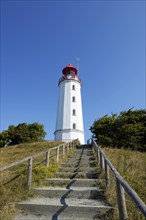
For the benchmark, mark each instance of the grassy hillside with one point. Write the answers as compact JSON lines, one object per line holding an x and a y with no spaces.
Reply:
{"x":20,"y":151}
{"x":13,"y":181}
{"x":132,"y":166}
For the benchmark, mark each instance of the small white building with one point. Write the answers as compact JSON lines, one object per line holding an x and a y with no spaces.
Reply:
{"x":69,"y":123}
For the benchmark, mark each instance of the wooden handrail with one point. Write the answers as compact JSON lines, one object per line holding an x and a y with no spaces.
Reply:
{"x":14,"y":163}
{"x":65,"y":146}
{"x":121,"y":184}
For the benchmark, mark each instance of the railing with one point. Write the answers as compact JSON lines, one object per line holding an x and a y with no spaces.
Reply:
{"x":121,"y":185}
{"x":59,"y":151}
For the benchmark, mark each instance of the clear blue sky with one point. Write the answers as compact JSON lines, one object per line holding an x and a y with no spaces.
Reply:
{"x":40,"y":38}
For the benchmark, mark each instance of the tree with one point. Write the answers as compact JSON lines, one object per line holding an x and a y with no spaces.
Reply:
{"x":36,"y":131}
{"x":131,"y":128}
{"x":22,"y":133}
{"x":4,"y":138}
{"x":127,"y":130}
{"x":103,"y":130}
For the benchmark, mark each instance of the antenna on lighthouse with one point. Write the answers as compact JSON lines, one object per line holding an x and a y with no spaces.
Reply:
{"x":78,"y":63}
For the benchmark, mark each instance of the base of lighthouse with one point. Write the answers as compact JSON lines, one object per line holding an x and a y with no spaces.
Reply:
{"x":67,"y":135}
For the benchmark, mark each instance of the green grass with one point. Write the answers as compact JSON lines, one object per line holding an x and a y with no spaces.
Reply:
{"x":13,"y":181}
{"x":132,"y":167}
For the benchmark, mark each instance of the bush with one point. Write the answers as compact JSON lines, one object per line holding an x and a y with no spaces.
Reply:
{"x":128,"y":130}
{"x":22,"y":133}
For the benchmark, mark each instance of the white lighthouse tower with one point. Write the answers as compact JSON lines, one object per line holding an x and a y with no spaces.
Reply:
{"x":69,"y":123}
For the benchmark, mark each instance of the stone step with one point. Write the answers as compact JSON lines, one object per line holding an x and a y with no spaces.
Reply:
{"x":72,"y":192}
{"x":65,"y":208}
{"x":86,"y":161}
{"x":27,"y":216}
{"x":74,"y":195}
{"x":70,"y":163}
{"x":75,"y":169}
{"x":74,"y":160}
{"x":73,"y":182}
{"x":72,"y":157}
{"x":81,"y":164}
{"x":89,"y":175}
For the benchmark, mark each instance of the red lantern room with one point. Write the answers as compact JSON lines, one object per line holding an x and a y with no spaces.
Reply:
{"x":69,"y":73}
{"x":70,"y":69}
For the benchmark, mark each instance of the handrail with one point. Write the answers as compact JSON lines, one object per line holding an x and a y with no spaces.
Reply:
{"x":14,"y":163}
{"x":67,"y":145}
{"x":120,"y":182}
{"x":26,"y":158}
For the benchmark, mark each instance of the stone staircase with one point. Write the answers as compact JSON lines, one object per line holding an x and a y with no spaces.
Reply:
{"x":74,"y":195}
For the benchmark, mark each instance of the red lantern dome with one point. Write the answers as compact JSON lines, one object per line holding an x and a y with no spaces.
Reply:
{"x":70,"y":69}
{"x":69,"y":73}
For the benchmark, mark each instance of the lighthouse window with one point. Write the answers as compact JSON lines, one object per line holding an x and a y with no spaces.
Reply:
{"x":73,"y":87}
{"x":74,"y":112}
{"x":74,"y":126}
{"x":73,"y":99}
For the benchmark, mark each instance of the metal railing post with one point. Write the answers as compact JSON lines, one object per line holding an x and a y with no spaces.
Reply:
{"x":121,"y":201}
{"x":29,"y":173}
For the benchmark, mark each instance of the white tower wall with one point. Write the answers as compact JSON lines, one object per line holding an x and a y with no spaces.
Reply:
{"x":69,"y":123}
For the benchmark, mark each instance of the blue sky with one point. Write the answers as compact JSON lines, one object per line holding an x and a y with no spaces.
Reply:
{"x":40,"y":38}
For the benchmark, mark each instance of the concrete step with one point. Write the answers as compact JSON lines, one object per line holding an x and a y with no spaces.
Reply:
{"x":84,"y":158}
{"x":65,"y":215}
{"x":81,"y":164}
{"x":89,"y":175}
{"x":27,"y":216}
{"x":73,"y":182}
{"x":67,"y":169}
{"x":65,"y":208}
{"x":70,"y":163}
{"x":87,"y":161}
{"x":72,"y":192}
{"x":75,"y":169}
{"x":74,"y":195}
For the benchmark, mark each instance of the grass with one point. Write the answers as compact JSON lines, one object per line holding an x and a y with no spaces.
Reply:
{"x":13,"y":181}
{"x":132,"y":167}
{"x":20,"y":151}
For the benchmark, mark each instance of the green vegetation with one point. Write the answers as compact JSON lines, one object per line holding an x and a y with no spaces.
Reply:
{"x":13,"y":181}
{"x":22,"y":133}
{"x":132,"y":166}
{"x":127,"y":130}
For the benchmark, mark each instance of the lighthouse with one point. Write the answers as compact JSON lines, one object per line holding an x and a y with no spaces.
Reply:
{"x":69,"y":122}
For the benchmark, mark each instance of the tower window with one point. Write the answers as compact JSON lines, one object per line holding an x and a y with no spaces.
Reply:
{"x":73,"y":87}
{"x":74,"y":112}
{"x":74,"y":126}
{"x":73,"y":99}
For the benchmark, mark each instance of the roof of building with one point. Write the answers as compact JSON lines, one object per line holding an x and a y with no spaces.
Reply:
{"x":69,"y":67}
